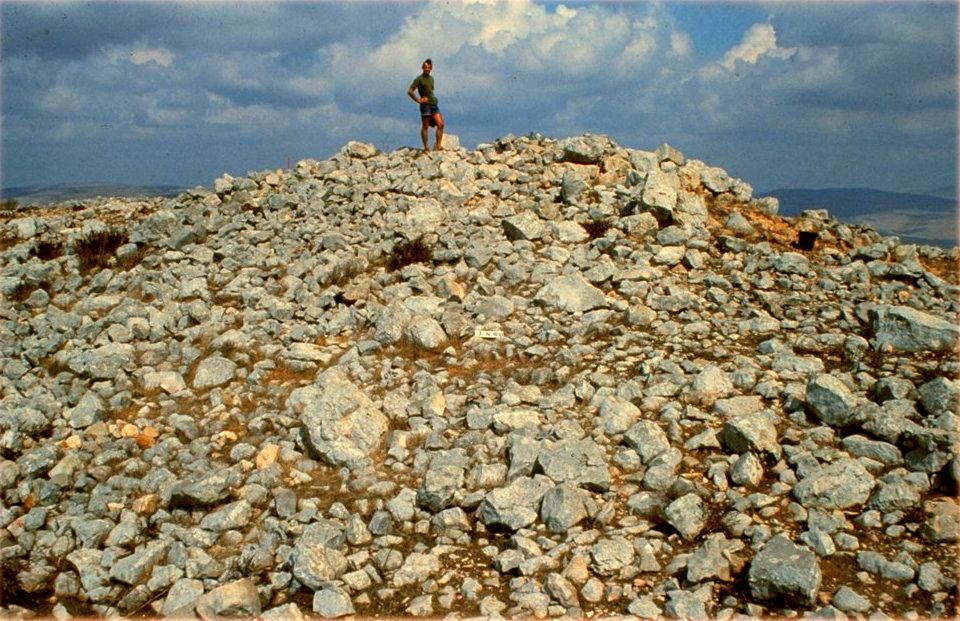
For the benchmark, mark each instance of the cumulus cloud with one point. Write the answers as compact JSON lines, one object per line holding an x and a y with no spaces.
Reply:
{"x":303,"y":77}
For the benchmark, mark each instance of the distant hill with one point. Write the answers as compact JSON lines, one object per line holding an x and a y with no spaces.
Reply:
{"x":915,"y":218}
{"x":26,"y":195}
{"x":849,"y":202}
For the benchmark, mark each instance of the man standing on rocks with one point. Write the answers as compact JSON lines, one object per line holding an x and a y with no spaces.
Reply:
{"x":429,"y":111}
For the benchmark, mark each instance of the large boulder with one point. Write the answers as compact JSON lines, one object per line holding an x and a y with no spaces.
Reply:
{"x":902,"y":328}
{"x":571,"y":293}
{"x":340,"y":423}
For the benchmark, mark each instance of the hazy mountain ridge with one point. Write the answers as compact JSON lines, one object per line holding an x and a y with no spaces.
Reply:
{"x":916,"y":218}
{"x":60,"y":192}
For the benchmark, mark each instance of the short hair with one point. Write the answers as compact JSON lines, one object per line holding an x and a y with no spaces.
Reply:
{"x":428,"y":62}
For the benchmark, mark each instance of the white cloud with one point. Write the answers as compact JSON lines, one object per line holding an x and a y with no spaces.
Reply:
{"x":140,"y":55}
{"x":760,"y":40}
{"x":681,"y":45}
{"x":160,"y":56}
{"x":757,"y":42}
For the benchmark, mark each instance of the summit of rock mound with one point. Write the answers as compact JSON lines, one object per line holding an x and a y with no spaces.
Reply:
{"x":539,"y":378}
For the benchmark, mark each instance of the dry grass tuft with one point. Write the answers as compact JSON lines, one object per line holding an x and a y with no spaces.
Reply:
{"x":597,"y":228}
{"x":47,"y":250}
{"x":407,"y":253}
{"x":96,"y":249}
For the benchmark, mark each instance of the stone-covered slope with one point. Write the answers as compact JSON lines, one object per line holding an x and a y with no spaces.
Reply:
{"x":606,"y":384}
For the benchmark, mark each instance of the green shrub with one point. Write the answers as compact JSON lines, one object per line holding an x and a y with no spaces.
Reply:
{"x":9,"y":205}
{"x":95,"y":250}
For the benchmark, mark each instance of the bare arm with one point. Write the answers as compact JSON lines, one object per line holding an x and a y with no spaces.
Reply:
{"x":411,"y":92}
{"x":413,"y":96}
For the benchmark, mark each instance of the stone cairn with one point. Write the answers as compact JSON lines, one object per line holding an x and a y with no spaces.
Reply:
{"x":541,"y":378}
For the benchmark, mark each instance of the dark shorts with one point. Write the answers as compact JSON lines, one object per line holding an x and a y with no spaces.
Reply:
{"x":429,"y":109}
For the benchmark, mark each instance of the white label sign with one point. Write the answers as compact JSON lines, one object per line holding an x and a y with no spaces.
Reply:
{"x":488,"y":334}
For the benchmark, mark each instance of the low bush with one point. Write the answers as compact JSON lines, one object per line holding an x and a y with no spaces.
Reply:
{"x":597,"y":228}
{"x":48,"y":250}
{"x":95,"y":250}
{"x":9,"y":205}
{"x":25,"y":289}
{"x":407,"y":253}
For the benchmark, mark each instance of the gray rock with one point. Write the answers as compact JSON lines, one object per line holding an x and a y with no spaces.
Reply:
{"x":831,"y":401}
{"x":586,"y":149}
{"x":582,"y":462}
{"x":416,"y":568}
{"x":883,"y":452}
{"x":284,"y":612}
{"x":711,"y":560}
{"x":135,"y":568}
{"x":516,"y":505}
{"x":207,"y":490}
{"x":687,"y":515}
{"x":747,"y":470}
{"x":359,"y":150}
{"x":906,"y":329}
{"x":712,"y":381}
{"x":564,"y":506}
{"x":660,"y":192}
{"x":783,"y":570}
{"x":841,"y":485}
{"x":943,"y":521}
{"x":899,"y":491}
{"x":525,"y":226}
{"x":561,"y":590}
{"x":439,"y":486}
{"x":214,"y":371}
{"x":340,"y":423}
{"x":316,"y":558}
{"x":644,"y":607}
{"x":617,"y":414}
{"x":750,"y":433}
{"x":181,"y":599}
{"x":939,"y":395}
{"x":609,"y":556}
{"x":332,"y":602}
{"x":686,"y":605}
{"x":88,"y":411}
{"x":848,"y":600}
{"x":232,"y":516}
{"x":571,"y":293}
{"x":104,"y":362}
{"x":236,"y":599}
{"x":647,"y":439}
{"x":571,"y":187}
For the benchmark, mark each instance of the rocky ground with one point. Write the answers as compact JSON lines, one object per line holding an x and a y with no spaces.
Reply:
{"x":541,"y":378}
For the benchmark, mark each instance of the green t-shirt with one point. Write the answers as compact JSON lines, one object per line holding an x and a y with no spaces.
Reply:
{"x":424,"y":85}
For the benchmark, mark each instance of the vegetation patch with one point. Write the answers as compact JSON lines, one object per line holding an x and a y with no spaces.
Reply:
{"x":47,"y":250}
{"x":9,"y":205}
{"x":407,"y":253}
{"x":25,"y":289}
{"x":95,"y":250}
{"x":344,"y":272}
{"x":597,"y":228}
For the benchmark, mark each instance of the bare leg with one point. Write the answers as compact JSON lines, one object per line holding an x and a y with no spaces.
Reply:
{"x":425,"y":132}
{"x":439,"y":121}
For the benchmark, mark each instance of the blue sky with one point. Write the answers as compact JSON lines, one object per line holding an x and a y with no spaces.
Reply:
{"x":781,"y":94}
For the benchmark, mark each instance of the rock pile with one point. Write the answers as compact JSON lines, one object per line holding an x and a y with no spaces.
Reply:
{"x":540,"y":378}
